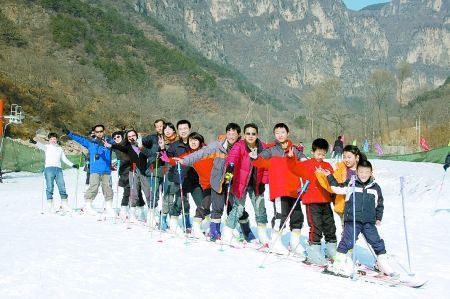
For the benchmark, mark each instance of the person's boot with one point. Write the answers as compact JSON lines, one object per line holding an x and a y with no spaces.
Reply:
{"x":173,"y":224}
{"x":228,"y":237}
{"x":331,"y":250}
{"x":295,"y":245}
{"x":384,"y":266}
{"x":214,"y":231}
{"x":197,"y":228}
{"x":315,"y":255}
{"x":187,"y":222}
{"x":163,"y":225}
{"x":262,"y":234}
{"x":341,"y":265}
{"x":65,"y":206}
{"x":206,"y":224}
{"x":88,"y":210}
{"x":109,"y":211}
{"x":50,"y":206}
{"x":246,"y":231}
{"x":276,"y":245}
{"x":123,"y":213}
{"x":132,"y":217}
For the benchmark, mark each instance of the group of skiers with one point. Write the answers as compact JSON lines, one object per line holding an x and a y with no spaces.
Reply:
{"x":174,"y":161}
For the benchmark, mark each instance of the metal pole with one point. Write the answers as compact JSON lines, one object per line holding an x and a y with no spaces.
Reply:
{"x":402,"y":181}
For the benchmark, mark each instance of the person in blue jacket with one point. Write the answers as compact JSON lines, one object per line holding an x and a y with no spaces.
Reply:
{"x":99,"y":167}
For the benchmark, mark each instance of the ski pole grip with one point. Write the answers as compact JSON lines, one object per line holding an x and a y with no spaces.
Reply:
{"x":305,"y":186}
{"x":134,"y":167}
{"x":165,"y":169}
{"x":179,"y":166}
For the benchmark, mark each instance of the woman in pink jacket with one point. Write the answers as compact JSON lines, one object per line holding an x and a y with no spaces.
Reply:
{"x":250,"y":180}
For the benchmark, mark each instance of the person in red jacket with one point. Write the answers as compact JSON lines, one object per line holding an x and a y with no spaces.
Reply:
{"x":283,"y":187}
{"x":246,"y":180}
{"x":317,"y":201}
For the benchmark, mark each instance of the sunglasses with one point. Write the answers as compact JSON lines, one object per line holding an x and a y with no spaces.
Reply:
{"x":250,"y":134}
{"x":98,"y":131}
{"x":117,"y":137}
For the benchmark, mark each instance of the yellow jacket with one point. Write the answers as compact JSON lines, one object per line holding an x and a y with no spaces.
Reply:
{"x":340,"y":174}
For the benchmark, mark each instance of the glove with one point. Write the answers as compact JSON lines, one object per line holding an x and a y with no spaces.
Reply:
{"x":34,"y":142}
{"x":228,"y":177}
{"x":164,"y":157}
{"x":76,"y":166}
{"x":446,"y":166}
{"x":254,"y":153}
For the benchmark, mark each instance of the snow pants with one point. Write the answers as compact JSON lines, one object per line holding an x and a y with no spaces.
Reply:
{"x":368,"y":230}
{"x":321,"y":223}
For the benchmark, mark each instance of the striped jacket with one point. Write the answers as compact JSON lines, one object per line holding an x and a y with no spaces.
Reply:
{"x":368,"y":199}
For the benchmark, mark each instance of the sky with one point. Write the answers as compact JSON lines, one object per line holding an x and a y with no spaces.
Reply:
{"x":358,"y":4}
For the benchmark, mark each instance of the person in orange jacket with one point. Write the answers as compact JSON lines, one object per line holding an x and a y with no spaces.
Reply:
{"x":283,"y":187}
{"x":317,"y":201}
{"x":343,"y":171}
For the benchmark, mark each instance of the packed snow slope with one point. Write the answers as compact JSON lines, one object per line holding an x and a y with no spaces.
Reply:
{"x":51,"y":256}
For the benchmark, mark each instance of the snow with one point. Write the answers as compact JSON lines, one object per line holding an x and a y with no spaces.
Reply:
{"x":50,"y":256}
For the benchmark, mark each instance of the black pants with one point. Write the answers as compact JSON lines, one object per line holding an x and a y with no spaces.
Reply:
{"x":204,"y":209}
{"x":281,"y":212}
{"x":321,"y":223}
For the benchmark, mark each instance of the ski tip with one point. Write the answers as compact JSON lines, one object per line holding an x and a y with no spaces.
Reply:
{"x":261,"y":267}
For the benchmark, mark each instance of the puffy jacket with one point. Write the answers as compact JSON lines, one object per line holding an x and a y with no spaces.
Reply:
{"x":368,"y":199}
{"x":239,"y":156}
{"x":340,"y":174}
{"x":306,"y":170}
{"x":218,"y":153}
{"x":102,"y":165}
{"x":282,"y":182}
{"x":176,"y":149}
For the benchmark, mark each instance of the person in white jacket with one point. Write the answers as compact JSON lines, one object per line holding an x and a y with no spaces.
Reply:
{"x":53,"y":171}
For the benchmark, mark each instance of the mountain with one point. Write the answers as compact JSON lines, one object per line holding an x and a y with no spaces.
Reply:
{"x":86,"y":62}
{"x":285,"y":46}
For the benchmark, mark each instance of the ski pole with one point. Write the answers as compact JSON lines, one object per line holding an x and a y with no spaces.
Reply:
{"x":402,"y":181}
{"x":353,"y":184}
{"x":154,"y":193}
{"x":182,"y":201}
{"x":149,"y":216}
{"x":231,"y":168}
{"x":132,"y":189}
{"x":162,"y":203}
{"x":76,"y":185}
{"x":370,"y":249}
{"x":117,"y":187}
{"x":303,"y":190}
{"x":43,"y":190}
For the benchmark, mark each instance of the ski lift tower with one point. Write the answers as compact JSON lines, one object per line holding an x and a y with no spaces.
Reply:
{"x":16,"y":116}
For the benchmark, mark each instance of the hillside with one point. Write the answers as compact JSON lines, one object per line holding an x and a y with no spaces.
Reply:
{"x":85,"y":62}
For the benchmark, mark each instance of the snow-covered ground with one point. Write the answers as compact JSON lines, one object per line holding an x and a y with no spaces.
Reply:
{"x":49,"y":256}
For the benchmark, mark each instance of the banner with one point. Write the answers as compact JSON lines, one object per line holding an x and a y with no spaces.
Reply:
{"x":424,"y":145}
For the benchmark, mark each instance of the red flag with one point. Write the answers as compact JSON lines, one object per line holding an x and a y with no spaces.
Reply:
{"x":424,"y":145}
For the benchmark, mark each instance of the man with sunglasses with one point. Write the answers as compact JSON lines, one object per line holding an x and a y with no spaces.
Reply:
{"x":250,"y":180}
{"x":99,"y":167}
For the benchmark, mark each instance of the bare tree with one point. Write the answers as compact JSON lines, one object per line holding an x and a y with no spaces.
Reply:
{"x":381,"y":84}
{"x":403,"y":72}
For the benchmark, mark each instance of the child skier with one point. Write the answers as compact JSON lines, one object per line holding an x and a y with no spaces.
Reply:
{"x":317,"y":201}
{"x":368,"y":213}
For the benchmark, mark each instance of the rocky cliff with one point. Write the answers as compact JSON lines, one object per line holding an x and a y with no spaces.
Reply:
{"x":286,"y":45}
